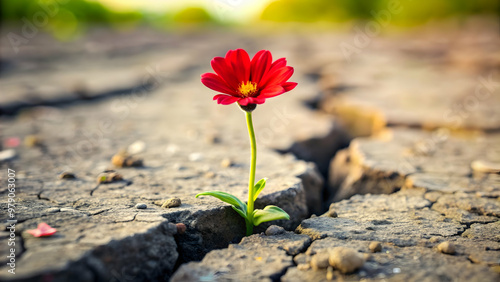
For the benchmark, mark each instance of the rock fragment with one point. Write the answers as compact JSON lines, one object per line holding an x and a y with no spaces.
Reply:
{"x":346,"y":260}
{"x":274,"y":230}
{"x":226,"y":163}
{"x":109,"y":176}
{"x":123,"y":160}
{"x":67,"y":175}
{"x":446,"y":248}
{"x":172,"y":203}
{"x":375,"y":247}
{"x":320,"y":260}
{"x":141,"y":206}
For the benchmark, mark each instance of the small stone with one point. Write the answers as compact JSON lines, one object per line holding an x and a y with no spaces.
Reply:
{"x":32,"y":141}
{"x":209,"y":174}
{"x":375,"y":247}
{"x":301,"y":258}
{"x":303,"y":266}
{"x":141,"y":206}
{"x":226,"y":163}
{"x":212,"y":139}
{"x":332,"y":213}
{"x":274,"y":230}
{"x":195,"y":157}
{"x":434,"y":239}
{"x":122,"y":160}
{"x":52,"y":210}
{"x":181,"y":228}
{"x":172,"y":203}
{"x":7,"y":155}
{"x":67,"y":175}
{"x":446,"y":248}
{"x":346,"y":260}
{"x":133,"y":162}
{"x":485,"y":166}
{"x":136,"y":147}
{"x":320,"y":260}
{"x":329,"y":273}
{"x":109,"y":176}
{"x":68,"y":210}
{"x":172,"y":228}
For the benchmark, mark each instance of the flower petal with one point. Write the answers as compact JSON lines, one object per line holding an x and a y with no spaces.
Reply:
{"x":260,"y":64}
{"x":240,"y":62}
{"x":279,"y":63}
{"x":216,"y":83}
{"x":220,"y":66}
{"x":289,"y":86}
{"x":272,"y":91}
{"x":43,"y":229}
{"x":278,"y":76}
{"x":251,"y":100}
{"x":225,"y":99}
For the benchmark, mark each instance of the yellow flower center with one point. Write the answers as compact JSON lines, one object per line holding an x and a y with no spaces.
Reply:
{"x":247,"y":88}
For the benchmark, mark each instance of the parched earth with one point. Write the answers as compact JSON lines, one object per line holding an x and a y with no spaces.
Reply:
{"x":396,"y":147}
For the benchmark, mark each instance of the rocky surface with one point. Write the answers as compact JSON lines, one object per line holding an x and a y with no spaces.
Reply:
{"x":256,"y":258}
{"x":429,"y":82}
{"x":437,"y":161}
{"x":403,"y":198}
{"x":169,"y":121}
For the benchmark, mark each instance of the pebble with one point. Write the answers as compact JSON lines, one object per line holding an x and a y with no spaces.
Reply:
{"x":434,"y":239}
{"x":172,"y":149}
{"x":7,"y":155}
{"x":346,"y":260}
{"x":172,"y":228}
{"x":485,"y":166}
{"x":195,"y":157}
{"x":332,"y":213}
{"x":68,"y":210}
{"x":303,"y":266}
{"x":209,"y":174}
{"x":136,"y":147}
{"x":375,"y":247}
{"x":141,"y":206}
{"x":212,"y":139}
{"x":67,"y":175}
{"x":181,"y":228}
{"x":329,"y":273}
{"x":320,"y":260}
{"x":274,"y":230}
{"x":446,"y":248}
{"x":32,"y":141}
{"x":121,"y":160}
{"x":52,"y":210}
{"x":172,"y":203}
{"x":226,"y":163}
{"x":109,"y":176}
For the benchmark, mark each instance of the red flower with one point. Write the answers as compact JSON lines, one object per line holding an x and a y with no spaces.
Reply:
{"x":43,"y":229}
{"x":245,"y":81}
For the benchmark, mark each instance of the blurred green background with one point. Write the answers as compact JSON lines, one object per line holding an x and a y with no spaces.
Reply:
{"x":67,"y":19}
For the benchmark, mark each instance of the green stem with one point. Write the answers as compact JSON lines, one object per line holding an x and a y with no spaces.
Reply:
{"x":251,"y":181}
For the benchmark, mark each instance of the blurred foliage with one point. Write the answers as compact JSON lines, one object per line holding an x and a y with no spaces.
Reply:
{"x":193,"y":15}
{"x":64,"y":19}
{"x":411,"y":12}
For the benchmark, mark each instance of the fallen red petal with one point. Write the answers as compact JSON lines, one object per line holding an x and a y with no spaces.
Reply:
{"x":42,"y":230}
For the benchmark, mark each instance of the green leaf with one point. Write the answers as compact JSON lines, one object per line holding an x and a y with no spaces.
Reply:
{"x":269,"y":213}
{"x":238,"y":206}
{"x":240,"y":212}
{"x":258,"y":188}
